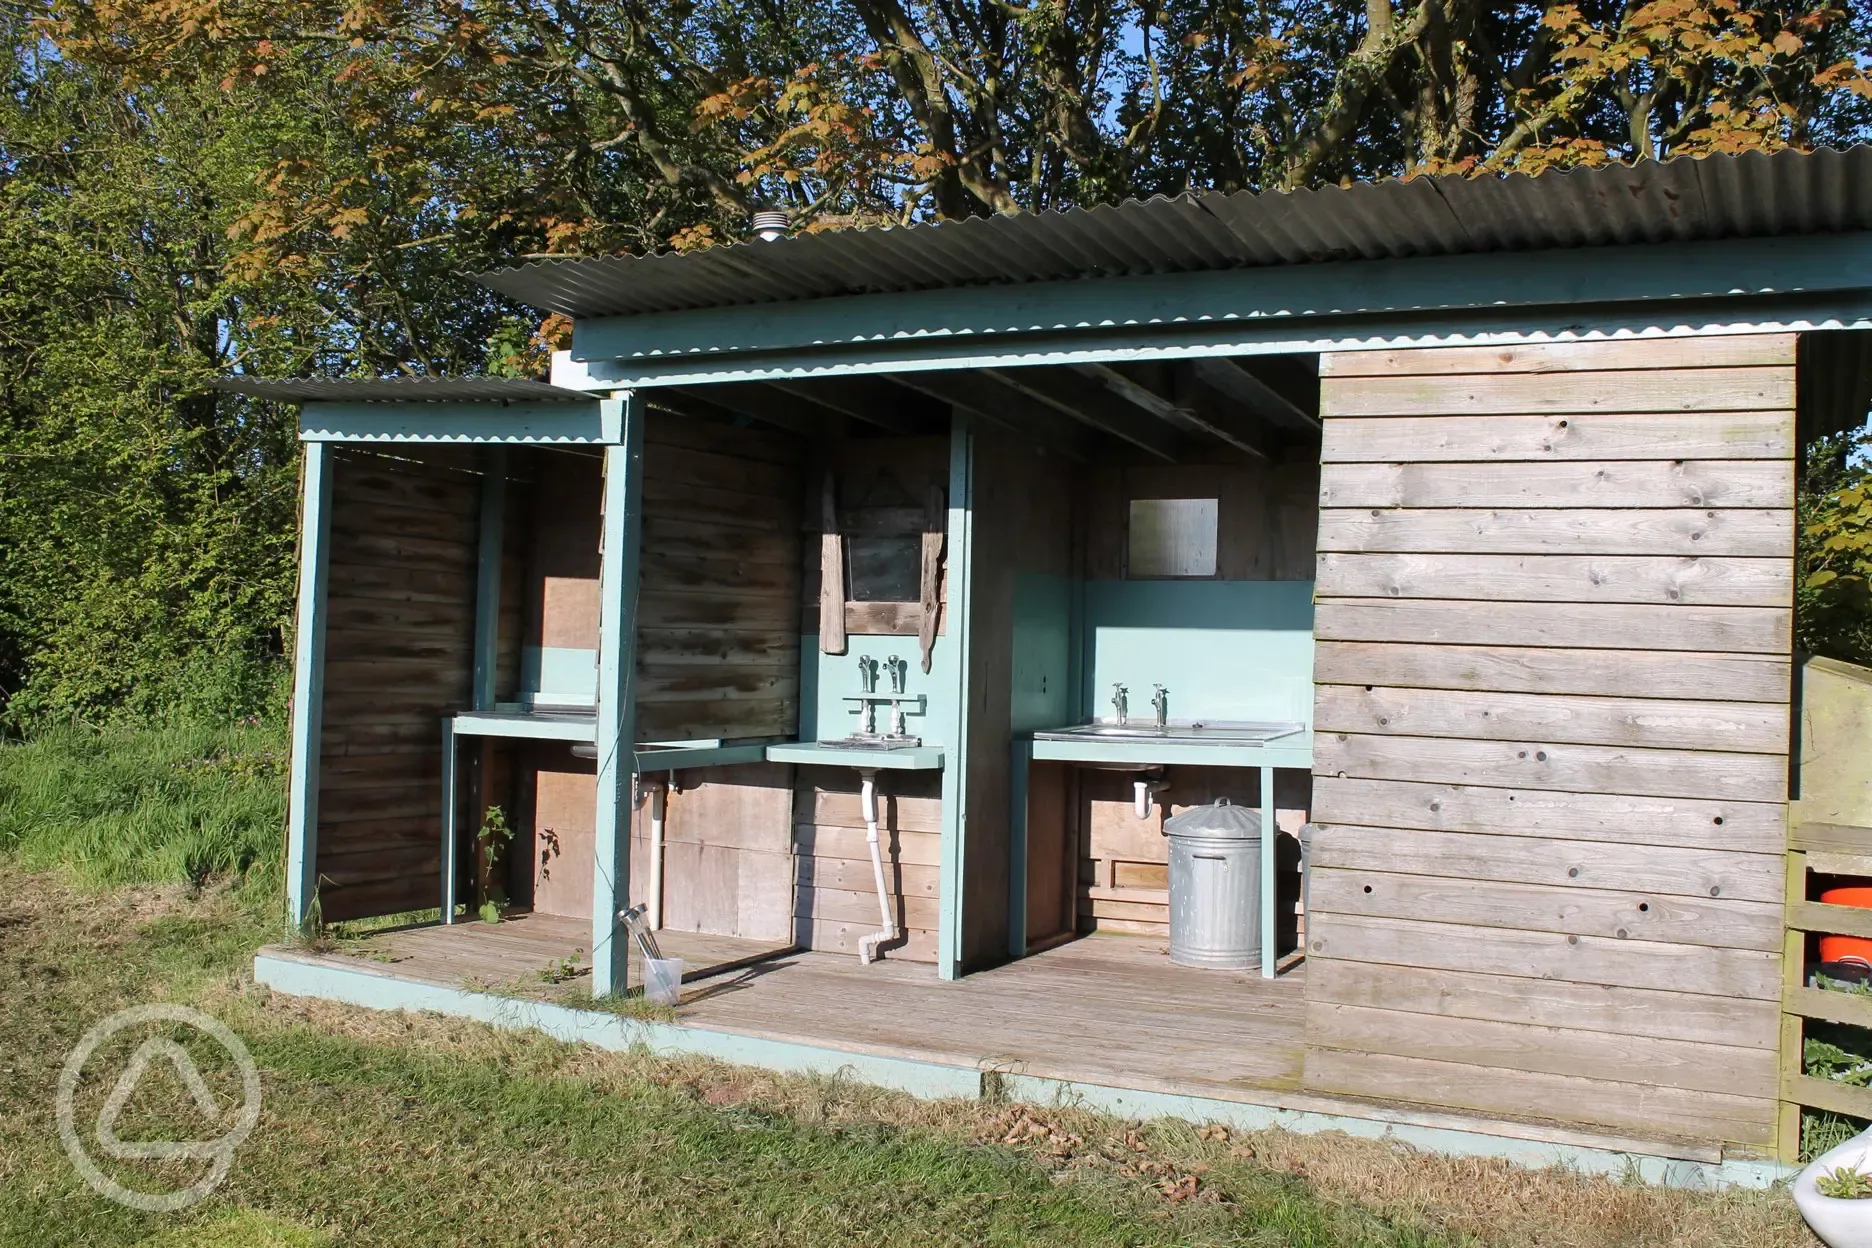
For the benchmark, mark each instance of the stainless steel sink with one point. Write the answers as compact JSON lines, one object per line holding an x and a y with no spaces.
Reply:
{"x":1210,"y":732}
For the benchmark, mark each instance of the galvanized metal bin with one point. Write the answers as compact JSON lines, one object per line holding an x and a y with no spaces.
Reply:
{"x":1215,"y":886}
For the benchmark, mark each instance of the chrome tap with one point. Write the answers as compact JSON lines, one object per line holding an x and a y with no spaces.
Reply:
{"x":1119,"y":704}
{"x":1160,"y":702}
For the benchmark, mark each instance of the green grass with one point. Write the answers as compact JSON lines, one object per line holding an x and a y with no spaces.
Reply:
{"x":181,"y":803}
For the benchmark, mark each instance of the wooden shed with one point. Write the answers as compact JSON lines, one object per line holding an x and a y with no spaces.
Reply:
{"x":1449,"y":522}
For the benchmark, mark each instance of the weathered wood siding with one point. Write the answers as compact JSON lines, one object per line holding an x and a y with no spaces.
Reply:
{"x":835,"y":902}
{"x":717,"y":638}
{"x":397,"y":659}
{"x":727,"y":852}
{"x":1554,"y":617}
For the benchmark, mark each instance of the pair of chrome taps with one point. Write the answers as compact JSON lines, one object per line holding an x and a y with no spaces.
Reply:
{"x":1160,"y":703}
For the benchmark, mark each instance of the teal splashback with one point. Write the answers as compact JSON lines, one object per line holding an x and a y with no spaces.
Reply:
{"x":1223,"y":649}
{"x":825,"y":679}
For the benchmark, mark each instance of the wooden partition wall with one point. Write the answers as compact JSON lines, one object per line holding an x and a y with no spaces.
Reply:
{"x":399,"y":632}
{"x":1554,"y":614}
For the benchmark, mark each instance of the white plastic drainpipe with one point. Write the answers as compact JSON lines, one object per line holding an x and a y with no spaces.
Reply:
{"x":1141,"y":793}
{"x":659,"y":806}
{"x":867,"y":802}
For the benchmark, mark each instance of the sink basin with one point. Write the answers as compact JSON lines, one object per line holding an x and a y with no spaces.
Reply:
{"x":1211,"y":732}
{"x":857,"y":742}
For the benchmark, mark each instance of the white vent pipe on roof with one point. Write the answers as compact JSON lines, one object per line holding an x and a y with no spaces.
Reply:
{"x":771,"y":224}
{"x":867,"y":802}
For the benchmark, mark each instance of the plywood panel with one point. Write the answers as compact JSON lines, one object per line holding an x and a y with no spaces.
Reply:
{"x":1613,"y":626}
{"x":1646,"y":390}
{"x":1747,"y":727}
{"x":1554,"y":669}
{"x":1562,"y":483}
{"x":1632,"y":531}
{"x":1432,"y":439}
{"x":565,"y":807}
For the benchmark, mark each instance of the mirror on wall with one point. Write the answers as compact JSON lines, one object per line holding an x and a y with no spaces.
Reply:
{"x":1171,"y":537}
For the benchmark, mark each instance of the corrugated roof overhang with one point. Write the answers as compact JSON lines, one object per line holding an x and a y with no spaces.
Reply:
{"x":401,"y":390}
{"x":1755,"y":195}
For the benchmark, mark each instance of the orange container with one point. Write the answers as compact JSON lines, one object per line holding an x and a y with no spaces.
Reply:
{"x":1847,"y":948}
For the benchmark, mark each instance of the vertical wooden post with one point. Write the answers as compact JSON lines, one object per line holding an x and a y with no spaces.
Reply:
{"x":1268,"y":892}
{"x":955,"y":750}
{"x":488,"y":574}
{"x":619,"y":563}
{"x":308,"y":686}
{"x":1021,"y":764}
{"x":451,"y":834}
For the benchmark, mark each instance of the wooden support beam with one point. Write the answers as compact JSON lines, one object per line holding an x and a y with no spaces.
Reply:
{"x":1083,"y":399}
{"x":487,"y":574}
{"x":711,"y":403}
{"x":620,"y":558}
{"x":308,"y":685}
{"x":1188,"y":410}
{"x":873,"y":400}
{"x":1231,"y":380}
{"x":758,"y":401}
{"x":991,"y":400}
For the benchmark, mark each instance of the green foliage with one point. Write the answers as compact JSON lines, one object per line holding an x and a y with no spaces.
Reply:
{"x":1833,"y":603}
{"x":1844,"y":1183}
{"x":187,"y":802}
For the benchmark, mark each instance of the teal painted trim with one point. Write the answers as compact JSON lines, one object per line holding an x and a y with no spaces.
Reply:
{"x":1018,"y":767}
{"x":679,"y":757}
{"x":618,"y":575}
{"x":1294,"y":752}
{"x":488,"y":574}
{"x":961,"y":554}
{"x":308,"y":704}
{"x":1435,"y":284}
{"x":526,"y":725}
{"x":379,"y":988}
{"x":814,"y":754}
{"x":561,"y":423}
{"x":451,"y":833}
{"x":1270,"y":832}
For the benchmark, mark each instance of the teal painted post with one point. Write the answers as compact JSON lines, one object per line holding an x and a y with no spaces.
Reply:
{"x":1017,"y":847}
{"x":956,"y":753}
{"x":1268,"y":892}
{"x":488,"y":574}
{"x":619,"y":561}
{"x":451,"y":867}
{"x":308,"y":687}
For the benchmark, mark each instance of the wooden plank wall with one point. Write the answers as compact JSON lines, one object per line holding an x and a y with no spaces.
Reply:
{"x":397,"y":658}
{"x":836,"y":900}
{"x":1554,"y":615}
{"x":718,"y":640}
{"x":727,"y":852}
{"x":1265,"y":520}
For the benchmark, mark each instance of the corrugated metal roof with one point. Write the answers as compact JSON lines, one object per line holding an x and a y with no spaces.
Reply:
{"x":1680,"y":200}
{"x":401,"y":390}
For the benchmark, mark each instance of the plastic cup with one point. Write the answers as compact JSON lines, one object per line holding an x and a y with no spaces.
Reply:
{"x":662,"y":980}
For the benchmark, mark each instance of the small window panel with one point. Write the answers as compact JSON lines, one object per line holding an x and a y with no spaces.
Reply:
{"x":1172,"y":537}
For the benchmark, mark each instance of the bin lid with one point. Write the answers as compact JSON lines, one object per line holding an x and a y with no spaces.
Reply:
{"x":1224,"y":819}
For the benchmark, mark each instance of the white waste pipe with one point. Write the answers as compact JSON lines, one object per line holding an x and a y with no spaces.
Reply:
{"x":1141,"y":795}
{"x":659,"y":806}
{"x":867,"y":802}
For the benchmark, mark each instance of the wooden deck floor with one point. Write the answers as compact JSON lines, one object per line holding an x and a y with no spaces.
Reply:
{"x":1103,"y":1009}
